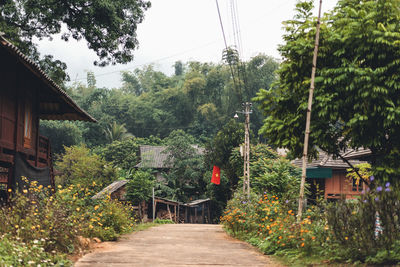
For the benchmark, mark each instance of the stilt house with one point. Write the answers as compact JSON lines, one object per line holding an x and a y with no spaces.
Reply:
{"x":28,"y":95}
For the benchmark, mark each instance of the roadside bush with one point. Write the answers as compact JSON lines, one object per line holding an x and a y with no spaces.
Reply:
{"x":270,"y":224}
{"x":57,"y":219}
{"x":355,"y":234}
{"x":14,"y":252}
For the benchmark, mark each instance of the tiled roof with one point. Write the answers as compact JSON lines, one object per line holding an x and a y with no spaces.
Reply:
{"x":155,"y":157}
{"x":77,"y":114}
{"x":110,"y":189}
{"x":152,"y":157}
{"x":327,"y":161}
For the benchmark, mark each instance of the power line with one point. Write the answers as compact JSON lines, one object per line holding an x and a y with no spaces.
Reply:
{"x":181,"y":53}
{"x":152,"y":61}
{"x":226,"y":45}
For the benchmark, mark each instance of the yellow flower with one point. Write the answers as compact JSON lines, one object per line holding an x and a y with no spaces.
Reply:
{"x":17,"y":226}
{"x":96,"y":207}
{"x":25,"y":191}
{"x":9,"y":190}
{"x":59,"y":186}
{"x":90,"y":226}
{"x":78,"y":209}
{"x":346,"y":238}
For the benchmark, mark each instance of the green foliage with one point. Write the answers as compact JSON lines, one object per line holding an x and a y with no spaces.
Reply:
{"x":125,"y":154}
{"x":78,"y":165}
{"x":356,"y":99}
{"x":109,"y":27}
{"x":61,"y":134}
{"x":14,"y":252}
{"x":353,"y":225}
{"x":161,"y":221}
{"x":269,"y":172}
{"x":51,"y":222}
{"x":117,"y":132}
{"x":184,"y":178}
{"x":139,"y":187}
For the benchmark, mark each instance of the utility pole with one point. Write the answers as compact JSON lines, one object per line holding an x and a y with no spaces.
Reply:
{"x":246,"y":149}
{"x":154,"y":210}
{"x":308,"y":119}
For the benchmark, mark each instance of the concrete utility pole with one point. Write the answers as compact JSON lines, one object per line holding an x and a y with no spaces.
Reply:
{"x":246,"y":149}
{"x":308,"y":119}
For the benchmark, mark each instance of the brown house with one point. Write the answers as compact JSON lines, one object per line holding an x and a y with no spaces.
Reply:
{"x":28,"y":95}
{"x":327,"y":176}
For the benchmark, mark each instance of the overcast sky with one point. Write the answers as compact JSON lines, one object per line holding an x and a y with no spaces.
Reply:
{"x":185,"y":30}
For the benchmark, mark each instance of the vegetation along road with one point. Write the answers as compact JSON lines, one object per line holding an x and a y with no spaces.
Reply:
{"x":178,"y":245}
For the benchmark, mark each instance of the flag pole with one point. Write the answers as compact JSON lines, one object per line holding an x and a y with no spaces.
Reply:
{"x":308,"y":119}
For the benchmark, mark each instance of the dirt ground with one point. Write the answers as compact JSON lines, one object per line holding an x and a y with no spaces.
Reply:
{"x":176,"y":245}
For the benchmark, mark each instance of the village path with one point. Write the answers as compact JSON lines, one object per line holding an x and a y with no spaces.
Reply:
{"x":178,"y":245}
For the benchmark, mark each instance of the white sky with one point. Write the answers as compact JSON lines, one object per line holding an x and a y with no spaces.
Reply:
{"x":185,"y":30}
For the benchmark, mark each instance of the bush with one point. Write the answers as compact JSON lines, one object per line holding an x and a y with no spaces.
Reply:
{"x":79,"y":166}
{"x":353,"y":224}
{"x":14,"y":252}
{"x":57,"y":219}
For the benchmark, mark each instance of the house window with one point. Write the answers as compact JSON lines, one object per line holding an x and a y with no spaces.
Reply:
{"x":28,"y":125}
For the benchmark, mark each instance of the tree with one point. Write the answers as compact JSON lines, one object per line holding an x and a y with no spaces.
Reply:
{"x":139,"y":189}
{"x":108,"y":26}
{"x":61,"y":134}
{"x":185,"y":174}
{"x":219,"y":150}
{"x":117,"y":132}
{"x":79,"y":165}
{"x":356,"y":99}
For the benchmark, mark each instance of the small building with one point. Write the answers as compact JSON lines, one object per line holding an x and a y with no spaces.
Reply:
{"x":155,"y":157}
{"x":327,"y":176}
{"x":28,"y":95}
{"x":116,"y":190}
{"x":197,"y":211}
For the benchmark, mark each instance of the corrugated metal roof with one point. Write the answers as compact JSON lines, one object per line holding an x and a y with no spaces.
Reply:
{"x":197,"y":202}
{"x":110,"y":189}
{"x":78,"y":114}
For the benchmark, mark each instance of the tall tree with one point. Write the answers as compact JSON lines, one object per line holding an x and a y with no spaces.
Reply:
{"x":109,"y":26}
{"x":357,"y":101}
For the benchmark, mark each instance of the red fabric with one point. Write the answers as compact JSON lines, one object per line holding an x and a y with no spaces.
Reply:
{"x":216,"y":175}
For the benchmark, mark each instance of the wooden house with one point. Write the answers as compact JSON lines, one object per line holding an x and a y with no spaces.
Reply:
{"x":155,"y":157}
{"x":28,"y":95}
{"x":327,"y":176}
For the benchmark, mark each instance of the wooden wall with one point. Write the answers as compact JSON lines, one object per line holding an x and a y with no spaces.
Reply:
{"x":340,"y":187}
{"x":18,"y":93}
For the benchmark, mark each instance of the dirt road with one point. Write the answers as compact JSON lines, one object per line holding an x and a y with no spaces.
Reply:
{"x":177,"y":245}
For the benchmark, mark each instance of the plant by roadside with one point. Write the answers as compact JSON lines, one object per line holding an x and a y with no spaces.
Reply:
{"x":56,"y":220}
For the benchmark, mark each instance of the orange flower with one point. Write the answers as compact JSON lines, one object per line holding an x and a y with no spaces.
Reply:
{"x":302,"y":245}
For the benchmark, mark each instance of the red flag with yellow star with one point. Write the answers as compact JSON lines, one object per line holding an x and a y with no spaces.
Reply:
{"x":216,"y":175}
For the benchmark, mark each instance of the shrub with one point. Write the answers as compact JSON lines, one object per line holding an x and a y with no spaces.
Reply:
{"x":14,"y":252}
{"x":354,"y":231}
{"x":57,"y":219}
{"x":79,"y":166}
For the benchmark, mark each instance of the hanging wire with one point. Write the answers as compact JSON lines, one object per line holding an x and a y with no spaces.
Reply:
{"x":226,"y":46}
